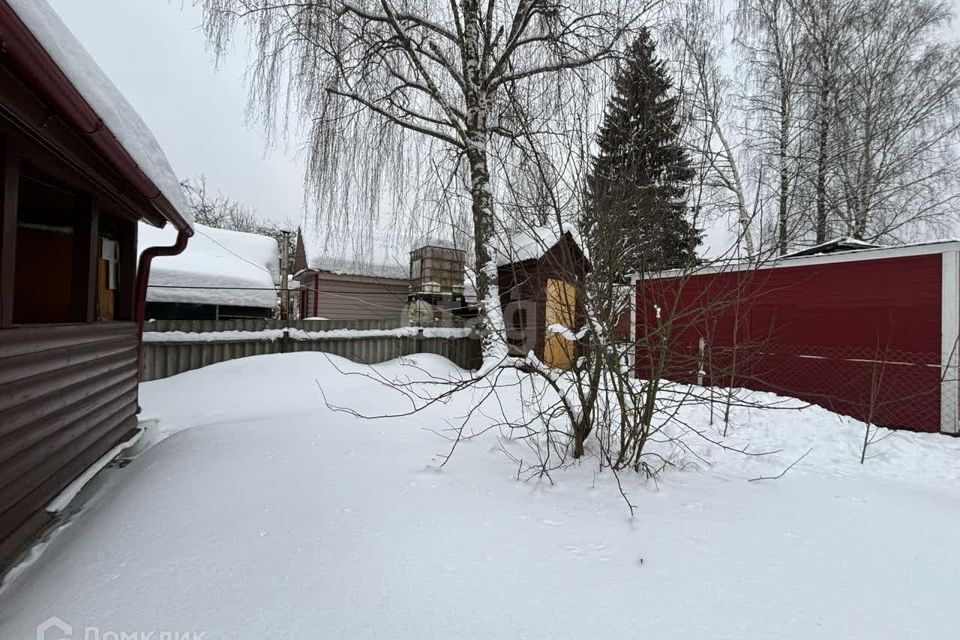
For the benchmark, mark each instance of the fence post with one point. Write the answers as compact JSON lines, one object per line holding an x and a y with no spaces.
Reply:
{"x":949,"y":342}
{"x":285,"y":341}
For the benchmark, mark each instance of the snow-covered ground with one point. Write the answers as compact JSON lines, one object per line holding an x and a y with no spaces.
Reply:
{"x":259,"y":513}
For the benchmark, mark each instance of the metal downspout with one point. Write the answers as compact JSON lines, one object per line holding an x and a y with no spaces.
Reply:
{"x":143,"y":278}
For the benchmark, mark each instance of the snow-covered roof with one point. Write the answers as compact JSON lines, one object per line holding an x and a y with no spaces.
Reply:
{"x":381,"y":255}
{"x":214,"y":261}
{"x":832,"y":246}
{"x":103,"y":97}
{"x":432,"y":240}
{"x":531,"y":243}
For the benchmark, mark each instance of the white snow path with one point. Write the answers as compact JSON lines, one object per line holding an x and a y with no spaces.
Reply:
{"x":279,"y":519}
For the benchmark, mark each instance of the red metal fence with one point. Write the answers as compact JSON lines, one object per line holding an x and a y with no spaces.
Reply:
{"x":860,"y":338}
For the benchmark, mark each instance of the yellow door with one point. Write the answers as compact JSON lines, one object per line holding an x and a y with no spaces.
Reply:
{"x":561,"y":305}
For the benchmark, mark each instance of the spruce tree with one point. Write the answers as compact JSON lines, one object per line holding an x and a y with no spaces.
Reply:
{"x":635,"y":214}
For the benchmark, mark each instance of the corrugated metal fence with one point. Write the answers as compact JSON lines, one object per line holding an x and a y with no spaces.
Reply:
{"x":168,"y":348}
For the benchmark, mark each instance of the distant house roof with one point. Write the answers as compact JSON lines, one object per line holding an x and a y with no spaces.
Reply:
{"x":532,"y":243}
{"x":833,"y":246}
{"x":58,"y":67}
{"x":377,"y":253}
{"x":227,"y":268}
{"x":376,"y":256}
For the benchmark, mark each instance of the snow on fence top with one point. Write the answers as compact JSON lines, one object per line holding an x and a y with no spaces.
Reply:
{"x":293,"y":333}
{"x":103,"y":97}
{"x":531,"y":243}
{"x":217,"y":267}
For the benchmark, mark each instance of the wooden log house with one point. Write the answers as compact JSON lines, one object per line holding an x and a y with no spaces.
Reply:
{"x":78,"y":170}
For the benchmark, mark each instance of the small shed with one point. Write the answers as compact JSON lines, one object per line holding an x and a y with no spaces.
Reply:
{"x":356,"y":278}
{"x":79,"y":171}
{"x":538,"y":269}
{"x":869,"y":332}
{"x":221,"y":275}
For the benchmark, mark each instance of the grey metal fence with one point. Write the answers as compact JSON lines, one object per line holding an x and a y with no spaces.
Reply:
{"x":173,"y":353}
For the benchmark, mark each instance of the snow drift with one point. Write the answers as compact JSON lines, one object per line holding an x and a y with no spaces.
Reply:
{"x":262,"y":513}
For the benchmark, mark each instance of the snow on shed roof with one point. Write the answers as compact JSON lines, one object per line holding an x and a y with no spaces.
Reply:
{"x":432,"y":240}
{"x":531,"y":243}
{"x":381,"y":255}
{"x":103,"y":97}
{"x":215,"y":260}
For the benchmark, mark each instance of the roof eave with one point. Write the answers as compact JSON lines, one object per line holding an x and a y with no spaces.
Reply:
{"x":854,"y":255}
{"x":39,"y":71}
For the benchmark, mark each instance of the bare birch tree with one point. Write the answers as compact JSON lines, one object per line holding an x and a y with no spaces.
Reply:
{"x":770,"y":42}
{"x":848,"y":121}
{"x":826,"y":37}
{"x":459,"y":75}
{"x":696,"y":35}
{"x":898,"y":121}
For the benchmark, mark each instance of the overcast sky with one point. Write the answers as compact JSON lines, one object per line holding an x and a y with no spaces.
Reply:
{"x":155,"y":53}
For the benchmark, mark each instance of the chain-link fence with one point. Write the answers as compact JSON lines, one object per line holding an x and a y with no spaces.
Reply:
{"x":886,"y":387}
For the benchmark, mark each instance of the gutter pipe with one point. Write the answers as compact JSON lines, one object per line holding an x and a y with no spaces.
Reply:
{"x":143,"y":279}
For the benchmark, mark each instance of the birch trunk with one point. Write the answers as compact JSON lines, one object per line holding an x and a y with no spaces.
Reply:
{"x":782,"y":214}
{"x":488,"y":290}
{"x":477,"y":101}
{"x":823,"y":138}
{"x":742,"y":213}
{"x":862,"y":211}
